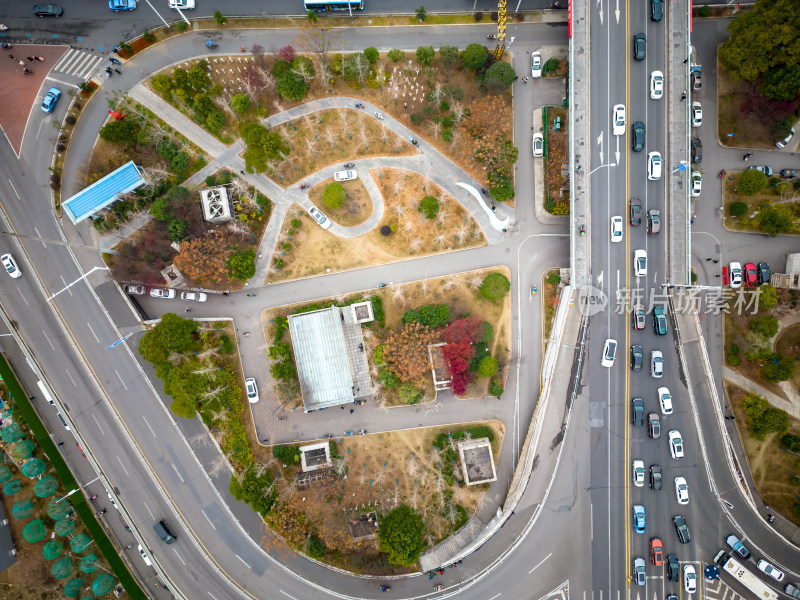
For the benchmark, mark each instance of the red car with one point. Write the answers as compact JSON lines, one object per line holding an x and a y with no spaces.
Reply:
{"x":750,"y":275}
{"x":725,"y":275}
{"x":657,"y":552}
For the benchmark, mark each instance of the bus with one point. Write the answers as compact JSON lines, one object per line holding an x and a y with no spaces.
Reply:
{"x":333,"y":5}
{"x":745,"y":577}
{"x":45,"y":393}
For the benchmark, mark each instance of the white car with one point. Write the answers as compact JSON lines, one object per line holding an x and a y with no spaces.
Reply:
{"x":665,"y":400}
{"x":697,"y":183}
{"x":638,"y":473}
{"x":773,"y":572}
{"x":656,"y":85}
{"x":697,"y":114}
{"x":252,"y":390}
{"x":379,"y":115}
{"x":538,"y":145}
{"x":735,"y":270}
{"x":689,"y":579}
{"x":182,"y":4}
{"x":609,"y":352}
{"x":10,"y":266}
{"x":675,"y":444}
{"x":681,"y":490}
{"x":321,"y":219}
{"x":111,"y":499}
{"x":194,"y":296}
{"x":162,"y":293}
{"x":656,"y":364}
{"x":344,"y":175}
{"x":640,"y":263}
{"x":137,"y":290}
{"x":616,"y":229}
{"x":618,"y":119}
{"x":786,"y":140}
{"x":144,"y":556}
{"x":536,"y":65}
{"x":654,"y":166}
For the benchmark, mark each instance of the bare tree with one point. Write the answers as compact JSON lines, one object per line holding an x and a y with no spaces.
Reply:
{"x":239,"y":228}
{"x":257,"y":50}
{"x":319,"y":41}
{"x":304,"y":72}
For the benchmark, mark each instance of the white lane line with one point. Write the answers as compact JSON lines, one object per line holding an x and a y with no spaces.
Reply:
{"x":75,"y":385}
{"x":24,"y":299}
{"x":121,"y":464}
{"x":64,"y":281}
{"x":244,"y":563}
{"x":39,"y":235}
{"x":495,"y":596}
{"x":540,"y":563}
{"x":148,"y":426}
{"x":98,"y":424}
{"x":152,"y":516}
{"x":293,"y":598}
{"x":120,"y":379}
{"x":212,"y":595}
{"x":179,"y":556}
{"x":591,"y":520}
{"x":93,"y":333}
{"x":44,"y":333}
{"x":176,"y":472}
{"x":207,"y":519}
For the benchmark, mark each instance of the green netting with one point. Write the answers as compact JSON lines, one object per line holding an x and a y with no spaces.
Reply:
{"x":5,"y":473}
{"x":62,"y":568}
{"x":80,"y":542}
{"x":46,"y":486}
{"x":34,"y":531}
{"x":73,"y":587}
{"x":102,"y":585}
{"x":22,"y":509}
{"x":34,"y":467}
{"x":58,"y":508}
{"x":88,"y":598}
{"x":64,"y":527}
{"x":12,"y":433}
{"x":22,"y":449}
{"x":89,"y":563}
{"x":12,"y":487}
{"x":53,"y":549}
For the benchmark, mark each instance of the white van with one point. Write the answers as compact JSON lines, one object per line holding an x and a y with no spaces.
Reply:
{"x":45,"y":393}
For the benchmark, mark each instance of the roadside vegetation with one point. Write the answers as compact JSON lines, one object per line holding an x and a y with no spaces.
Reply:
{"x":555,"y":162}
{"x":754,"y":202}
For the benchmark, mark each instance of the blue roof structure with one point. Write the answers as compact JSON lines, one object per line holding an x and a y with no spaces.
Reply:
{"x":101,"y":193}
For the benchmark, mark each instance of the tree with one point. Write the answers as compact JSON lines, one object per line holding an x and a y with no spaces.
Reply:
{"x":318,"y":41}
{"x":161,"y":210}
{"x":738,"y":208}
{"x":782,"y":83}
{"x":449,"y":56}
{"x":765,"y":325}
{"x":499,"y":76}
{"x":474,"y":56}
{"x":214,"y":121}
{"x":425,"y":55}
{"x":778,"y":368}
{"x":303,"y":68}
{"x":219,"y":18}
{"x":291,"y":86}
{"x":495,"y":286}
{"x":429,"y":206}
{"x":763,"y":418}
{"x":162,"y":84}
{"x":396,"y":55}
{"x":422,"y":14}
{"x":240,"y":103}
{"x":176,"y":228}
{"x":372,"y":55}
{"x":262,"y":145}
{"x":409,"y":393}
{"x":311,"y":15}
{"x":119,"y":132}
{"x":334,"y":195}
{"x":430,"y":315}
{"x":488,"y":332}
{"x":400,"y":533}
{"x":775,"y":219}
{"x":406,"y":351}
{"x":356,"y":67}
{"x":287,"y":53}
{"x":488,"y":366}
{"x":205,"y":258}
{"x":172,"y":334}
{"x":496,"y":387}
{"x":198,"y":79}
{"x":751,"y":182}
{"x":254,"y":489}
{"x":767,"y":298}
{"x":242,"y":265}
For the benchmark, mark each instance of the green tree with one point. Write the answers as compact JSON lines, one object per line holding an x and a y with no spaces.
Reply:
{"x":161,"y":210}
{"x":356,"y":68}
{"x":554,"y":278}
{"x":422,"y":14}
{"x":262,"y":145}
{"x":496,"y":387}
{"x":429,"y":206}
{"x":499,"y":76}
{"x":409,"y":393}
{"x":488,"y":366}
{"x":219,"y":18}
{"x":255,"y":489}
{"x":400,"y":534}
{"x":474,"y":56}
{"x":172,"y":334}
{"x":396,"y":55}
{"x":198,"y":79}
{"x":777,"y":368}
{"x":334,"y":195}
{"x":311,"y":15}
{"x":738,"y":208}
{"x":767,"y":298}
{"x":176,"y":228}
{"x":765,"y":325}
{"x":242,"y":265}
{"x":488,"y":332}
{"x":240,"y":103}
{"x":286,"y":454}
{"x":291,"y":86}
{"x":449,"y":56}
{"x":180,"y":78}
{"x":388,"y":378}
{"x":315,"y":548}
{"x":751,"y":182}
{"x":425,"y":55}
{"x":162,"y":84}
{"x":775,"y":219}
{"x":119,"y":132}
{"x":372,"y":55}
{"x":495,"y":286}
{"x":214,"y":121}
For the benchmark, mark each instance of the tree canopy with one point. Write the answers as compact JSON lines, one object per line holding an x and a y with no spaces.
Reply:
{"x":172,"y":334}
{"x":262,"y":145}
{"x":474,"y":56}
{"x":495,"y":286}
{"x":400,"y":534}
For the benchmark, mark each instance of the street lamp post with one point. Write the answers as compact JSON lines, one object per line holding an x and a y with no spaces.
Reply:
{"x":600,"y":167}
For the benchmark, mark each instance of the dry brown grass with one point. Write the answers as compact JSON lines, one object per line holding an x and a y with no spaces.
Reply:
{"x":749,"y":130}
{"x":778,"y":191}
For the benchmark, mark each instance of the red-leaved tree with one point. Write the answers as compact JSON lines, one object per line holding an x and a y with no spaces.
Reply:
{"x":461,"y":335}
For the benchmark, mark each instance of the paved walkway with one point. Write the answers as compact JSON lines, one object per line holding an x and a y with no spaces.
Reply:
{"x":751,"y":386}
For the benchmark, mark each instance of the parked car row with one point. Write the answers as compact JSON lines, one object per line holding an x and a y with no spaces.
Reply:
{"x":168,"y":294}
{"x":751,"y":276}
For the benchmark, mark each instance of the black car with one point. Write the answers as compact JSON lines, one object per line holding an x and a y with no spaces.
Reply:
{"x":638,"y":136}
{"x":659,"y":320}
{"x":636,"y":211}
{"x":653,"y":221}
{"x":637,"y":412}
{"x":655,"y":478}
{"x":682,"y":529}
{"x":673,"y":567}
{"x":656,"y":9}
{"x":697,"y":151}
{"x":790,"y":173}
{"x":47,"y":10}
{"x":762,"y":273}
{"x":639,"y":46}
{"x":637,"y":357}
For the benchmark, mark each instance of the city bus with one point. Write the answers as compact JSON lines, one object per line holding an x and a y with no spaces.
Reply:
{"x":333,"y":5}
{"x":745,"y":577}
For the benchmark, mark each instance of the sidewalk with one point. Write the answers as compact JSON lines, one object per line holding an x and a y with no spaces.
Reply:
{"x":753,"y":387}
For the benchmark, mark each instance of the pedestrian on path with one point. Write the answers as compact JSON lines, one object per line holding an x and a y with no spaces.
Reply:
{"x":11,"y":56}
{"x":22,"y":62}
{"x":129,"y":546}
{"x":103,"y":511}
{"x":683,"y":96}
{"x":708,"y":259}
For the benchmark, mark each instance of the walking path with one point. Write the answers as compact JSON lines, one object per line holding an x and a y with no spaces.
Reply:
{"x":751,"y":386}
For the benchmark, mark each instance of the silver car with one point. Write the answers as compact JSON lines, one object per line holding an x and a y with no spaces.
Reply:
{"x":656,"y":364}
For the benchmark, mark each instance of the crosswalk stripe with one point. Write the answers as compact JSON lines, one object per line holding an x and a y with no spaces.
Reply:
{"x":88,"y":65}
{"x":67,"y":56}
{"x":77,"y":62}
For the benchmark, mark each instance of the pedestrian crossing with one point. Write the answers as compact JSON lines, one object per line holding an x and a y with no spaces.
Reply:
{"x":719,"y":590}
{"x":78,"y":63}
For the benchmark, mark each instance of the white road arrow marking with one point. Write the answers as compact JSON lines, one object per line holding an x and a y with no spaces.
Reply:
{"x":600,"y":10}
{"x":616,"y":154}
{"x":616,"y":12}
{"x":600,"y":143}
{"x":600,"y":279}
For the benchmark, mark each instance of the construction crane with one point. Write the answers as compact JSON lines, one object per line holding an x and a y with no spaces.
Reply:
{"x":501,"y":30}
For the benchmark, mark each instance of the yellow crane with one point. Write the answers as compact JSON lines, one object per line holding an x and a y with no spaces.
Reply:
{"x":501,"y":30}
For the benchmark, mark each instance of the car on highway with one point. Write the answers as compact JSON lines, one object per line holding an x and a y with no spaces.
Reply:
{"x":635,"y":212}
{"x":111,"y":499}
{"x":770,"y":570}
{"x":618,"y":119}
{"x":616,"y":229}
{"x":609,"y":352}
{"x":735,"y":270}
{"x":657,"y":552}
{"x":10,"y":265}
{"x":638,"y":473}
{"x":697,"y":150}
{"x":697,"y":183}
{"x":47,"y":10}
{"x":762,"y":274}
{"x":640,"y":263}
{"x":656,"y":478}
{"x":637,"y":412}
{"x":675,"y":444}
{"x":659,"y":320}
{"x":765,"y":169}
{"x":344,"y":175}
{"x":689,"y":579}
{"x":656,"y":10}
{"x":697,"y":78}
{"x":786,"y":140}
{"x":697,"y":114}
{"x":144,"y":556}
{"x":750,"y":275}
{"x":656,"y":85}
{"x":682,"y":529}
{"x":536,"y":65}
{"x":637,"y":357}
{"x":117,"y":5}
{"x":162,"y":293}
{"x":681,"y":490}
{"x":665,"y":400}
{"x":638,"y":137}
{"x":738,"y":547}
{"x":790,"y":173}
{"x":538,"y":144}
{"x":792,"y":590}
{"x":194,"y":296}
{"x":136,"y":290}
{"x":51,"y":99}
{"x":639,"y":574}
{"x":656,"y":364}
{"x":654,"y":166}
{"x":638,"y":318}
{"x":653,"y":221}
{"x":639,"y":46}
{"x":653,"y":426}
{"x":62,"y":420}
{"x":320,"y":218}
{"x":251,"y":388}
{"x":673,"y":570}
{"x":182,"y":4}
{"x":639,"y":518}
